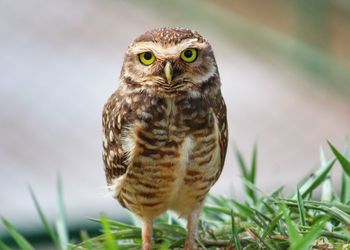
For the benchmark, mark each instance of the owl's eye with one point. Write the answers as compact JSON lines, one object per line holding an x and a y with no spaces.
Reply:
{"x":189,"y":55}
{"x":147,"y":58}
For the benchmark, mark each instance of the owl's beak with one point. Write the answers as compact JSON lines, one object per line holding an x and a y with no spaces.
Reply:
{"x":168,"y":70}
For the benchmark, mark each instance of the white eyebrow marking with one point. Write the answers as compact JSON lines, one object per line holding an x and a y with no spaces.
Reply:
{"x":161,"y":51}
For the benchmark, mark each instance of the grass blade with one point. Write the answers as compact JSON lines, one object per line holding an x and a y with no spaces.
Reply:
{"x":165,"y":245}
{"x":220,"y":201}
{"x":335,"y":235}
{"x":327,"y":189}
{"x":327,"y":184}
{"x":86,"y":240}
{"x":116,"y":224}
{"x":18,"y":238}
{"x":345,"y":189}
{"x":277,"y":193}
{"x":323,"y":159}
{"x":242,"y":164}
{"x":301,"y":208}
{"x":217,"y":209}
{"x":3,"y":246}
{"x":243,"y":210}
{"x":110,"y":243}
{"x":292,"y":229}
{"x":43,"y":219}
{"x":252,"y":176}
{"x":271,"y":226}
{"x":235,"y":236}
{"x":248,"y":175}
{"x":307,"y":240}
{"x":312,"y":183}
{"x":61,"y":225}
{"x":342,"y":160}
{"x":345,"y":184}
{"x":250,"y":213}
{"x":339,"y":214}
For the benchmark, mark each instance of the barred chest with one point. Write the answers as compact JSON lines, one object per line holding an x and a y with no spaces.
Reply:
{"x":173,"y":154}
{"x":165,"y":122}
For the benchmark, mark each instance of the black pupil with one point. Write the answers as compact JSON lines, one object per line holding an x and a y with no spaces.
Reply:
{"x":188,"y":53}
{"x":147,"y":56}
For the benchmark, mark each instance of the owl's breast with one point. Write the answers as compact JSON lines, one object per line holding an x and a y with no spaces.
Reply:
{"x":161,"y":126}
{"x":174,"y":117}
{"x":160,"y":146}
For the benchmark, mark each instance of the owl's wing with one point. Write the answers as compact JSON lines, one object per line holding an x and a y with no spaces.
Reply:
{"x":114,"y":119}
{"x":219,"y":109}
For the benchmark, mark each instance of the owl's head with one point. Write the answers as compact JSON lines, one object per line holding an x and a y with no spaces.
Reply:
{"x":169,"y":60}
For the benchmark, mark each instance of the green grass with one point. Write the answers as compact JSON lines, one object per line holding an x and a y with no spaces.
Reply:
{"x":261,"y":221}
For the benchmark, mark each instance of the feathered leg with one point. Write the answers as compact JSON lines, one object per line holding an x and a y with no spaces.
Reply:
{"x":147,"y":231}
{"x":192,"y":223}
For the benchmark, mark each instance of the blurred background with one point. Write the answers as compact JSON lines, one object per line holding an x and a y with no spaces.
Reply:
{"x":285,"y":69}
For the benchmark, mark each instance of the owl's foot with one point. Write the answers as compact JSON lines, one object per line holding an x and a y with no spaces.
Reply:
{"x":147,"y":230}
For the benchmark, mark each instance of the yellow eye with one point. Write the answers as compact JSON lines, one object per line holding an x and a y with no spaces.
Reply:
{"x":189,"y":55}
{"x":147,"y":58}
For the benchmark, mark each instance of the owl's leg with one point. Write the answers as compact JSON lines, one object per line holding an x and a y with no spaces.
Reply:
{"x":147,"y":231}
{"x":192,"y":223}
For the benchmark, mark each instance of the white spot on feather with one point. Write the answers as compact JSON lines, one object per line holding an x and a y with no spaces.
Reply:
{"x":216,"y":159}
{"x":194,"y":94}
{"x":128,"y":142}
{"x":185,"y":152}
{"x":116,"y":185}
{"x":105,"y":142}
{"x":111,"y":136}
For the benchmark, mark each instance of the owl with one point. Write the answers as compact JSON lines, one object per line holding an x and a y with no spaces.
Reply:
{"x":165,"y":129}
